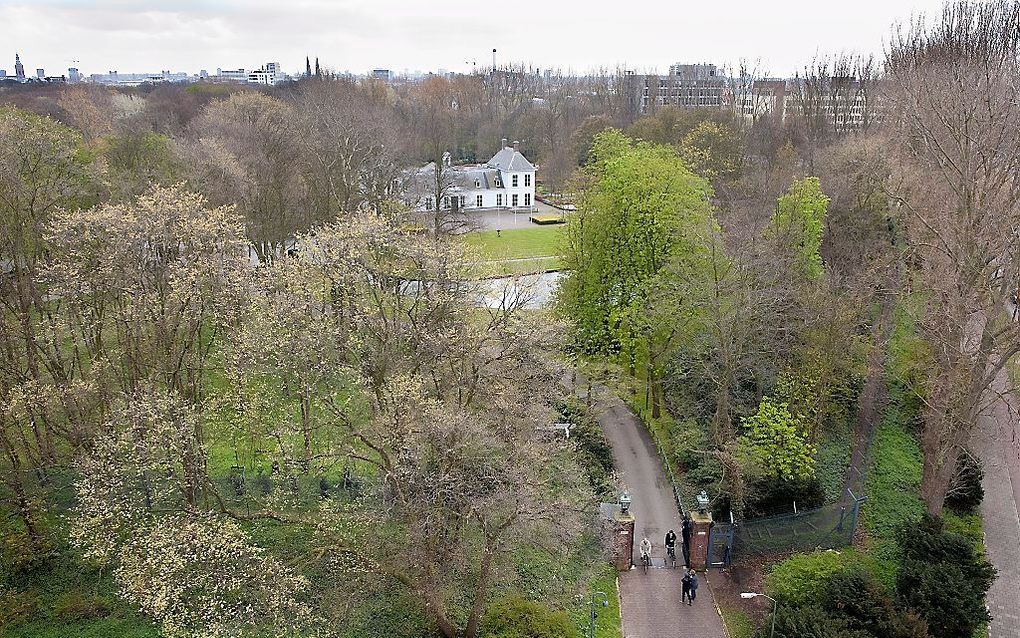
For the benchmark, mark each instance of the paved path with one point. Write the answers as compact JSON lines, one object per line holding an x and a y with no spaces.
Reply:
{"x":996,"y":442}
{"x":650,"y":601}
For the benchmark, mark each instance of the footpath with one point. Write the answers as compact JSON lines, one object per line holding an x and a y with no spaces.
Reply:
{"x":996,"y":442}
{"x":650,"y":601}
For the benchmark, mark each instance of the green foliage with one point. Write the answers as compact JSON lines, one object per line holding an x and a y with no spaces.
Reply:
{"x":777,"y":442}
{"x":712,"y":150}
{"x":943,"y":578}
{"x":642,"y":217}
{"x":769,"y":496}
{"x":800,"y":580}
{"x":516,"y":617}
{"x":799,"y":223}
{"x":594,"y":450}
{"x":894,"y":477}
{"x":832,"y":463}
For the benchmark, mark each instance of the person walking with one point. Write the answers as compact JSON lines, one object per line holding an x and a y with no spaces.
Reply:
{"x":693,"y":586}
{"x":685,"y":588}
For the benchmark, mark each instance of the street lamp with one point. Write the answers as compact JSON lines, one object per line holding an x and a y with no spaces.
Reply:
{"x":750,"y":594}
{"x":591,"y":617}
{"x":624,"y":502}
{"x":702,"y":501}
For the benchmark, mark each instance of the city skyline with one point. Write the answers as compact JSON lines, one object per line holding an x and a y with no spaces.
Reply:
{"x":358,"y":36}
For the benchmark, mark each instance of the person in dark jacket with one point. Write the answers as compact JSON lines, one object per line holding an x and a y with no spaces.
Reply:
{"x":692,"y":585}
{"x":685,"y":588}
{"x":670,"y":543}
{"x":685,"y":535}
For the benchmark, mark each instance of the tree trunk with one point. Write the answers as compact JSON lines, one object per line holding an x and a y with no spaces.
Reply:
{"x":481,"y":591}
{"x":939,"y":468}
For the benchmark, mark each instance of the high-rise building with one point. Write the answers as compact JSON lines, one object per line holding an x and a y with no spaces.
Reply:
{"x":73,"y":75}
{"x":19,"y":69}
{"x":381,"y":74}
{"x":40,"y":73}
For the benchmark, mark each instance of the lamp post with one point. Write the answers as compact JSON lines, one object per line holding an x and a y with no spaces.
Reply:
{"x":593,"y":615}
{"x":703,"y":501}
{"x":625,"y":502}
{"x":775,"y":605}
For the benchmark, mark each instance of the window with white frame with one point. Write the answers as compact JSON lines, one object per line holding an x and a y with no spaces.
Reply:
{"x":527,"y":179}
{"x":513,"y":181}
{"x":527,"y":199}
{"x":499,"y":199}
{"x":478,"y":201}
{"x":514,"y":202}
{"x":428,"y":203}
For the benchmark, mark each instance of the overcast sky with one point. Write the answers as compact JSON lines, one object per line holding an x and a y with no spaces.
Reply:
{"x":358,"y":35}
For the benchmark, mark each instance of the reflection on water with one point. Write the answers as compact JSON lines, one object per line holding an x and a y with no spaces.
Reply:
{"x":534,"y":291}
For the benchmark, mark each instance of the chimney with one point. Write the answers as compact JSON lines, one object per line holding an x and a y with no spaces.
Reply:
{"x":502,"y":144}
{"x":517,"y":146}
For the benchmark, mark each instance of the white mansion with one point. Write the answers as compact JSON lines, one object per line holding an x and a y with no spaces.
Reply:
{"x":506,"y":181}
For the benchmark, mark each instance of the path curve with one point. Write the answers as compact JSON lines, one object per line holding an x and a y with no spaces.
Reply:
{"x":650,"y":602}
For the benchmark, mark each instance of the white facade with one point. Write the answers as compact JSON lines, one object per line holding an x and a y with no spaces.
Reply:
{"x":507,"y":181}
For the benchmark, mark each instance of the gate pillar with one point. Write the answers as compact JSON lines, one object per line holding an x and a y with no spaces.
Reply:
{"x":701,"y":529}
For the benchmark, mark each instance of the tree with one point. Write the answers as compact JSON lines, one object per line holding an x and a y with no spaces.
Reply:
{"x":244,"y":149}
{"x":139,"y":510}
{"x":953,"y":86}
{"x":43,"y":167}
{"x":798,"y":225}
{"x":778,"y":442}
{"x":147,"y":287}
{"x":642,"y":212}
{"x":351,"y":147}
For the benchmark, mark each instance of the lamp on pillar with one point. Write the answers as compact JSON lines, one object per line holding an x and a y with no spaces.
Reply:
{"x":625,"y":502}
{"x":701,"y":524}
{"x":702,"y":501}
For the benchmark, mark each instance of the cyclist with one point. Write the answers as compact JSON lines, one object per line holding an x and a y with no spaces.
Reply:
{"x":646,"y":550}
{"x":671,"y":544}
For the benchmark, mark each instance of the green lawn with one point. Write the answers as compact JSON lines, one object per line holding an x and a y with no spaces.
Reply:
{"x":517,"y":243}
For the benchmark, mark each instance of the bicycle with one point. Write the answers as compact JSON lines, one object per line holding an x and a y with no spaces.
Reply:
{"x":671,"y":555}
{"x":646,"y":561}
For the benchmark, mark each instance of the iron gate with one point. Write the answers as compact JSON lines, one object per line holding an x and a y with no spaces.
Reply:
{"x":720,"y":543}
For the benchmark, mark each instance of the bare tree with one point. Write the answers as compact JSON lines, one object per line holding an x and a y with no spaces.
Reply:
{"x":953,"y":87}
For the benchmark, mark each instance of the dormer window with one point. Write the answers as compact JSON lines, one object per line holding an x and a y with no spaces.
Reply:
{"x":478,"y":183}
{"x":499,"y":183}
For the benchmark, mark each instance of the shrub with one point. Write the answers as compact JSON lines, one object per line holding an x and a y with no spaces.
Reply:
{"x":800,"y":580}
{"x":516,"y":617}
{"x":965,"y":492}
{"x":809,"y":621}
{"x":543,"y":220}
{"x":769,"y":496}
{"x":75,"y":605}
{"x":15,"y":608}
{"x":866,"y":606}
{"x":943,"y":578}
{"x":592,"y":445}
{"x":777,"y":442}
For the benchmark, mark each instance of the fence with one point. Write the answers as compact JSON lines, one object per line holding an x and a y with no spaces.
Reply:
{"x":827,"y":527}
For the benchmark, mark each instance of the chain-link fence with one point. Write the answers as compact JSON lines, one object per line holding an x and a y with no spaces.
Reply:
{"x":827,"y":527}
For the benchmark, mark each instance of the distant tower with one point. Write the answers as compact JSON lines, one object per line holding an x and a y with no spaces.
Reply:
{"x":19,"y":68}
{"x":317,"y":71}
{"x":308,"y":67}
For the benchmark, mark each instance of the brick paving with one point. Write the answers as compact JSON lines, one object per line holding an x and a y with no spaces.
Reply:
{"x":996,"y":442}
{"x":650,"y":601}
